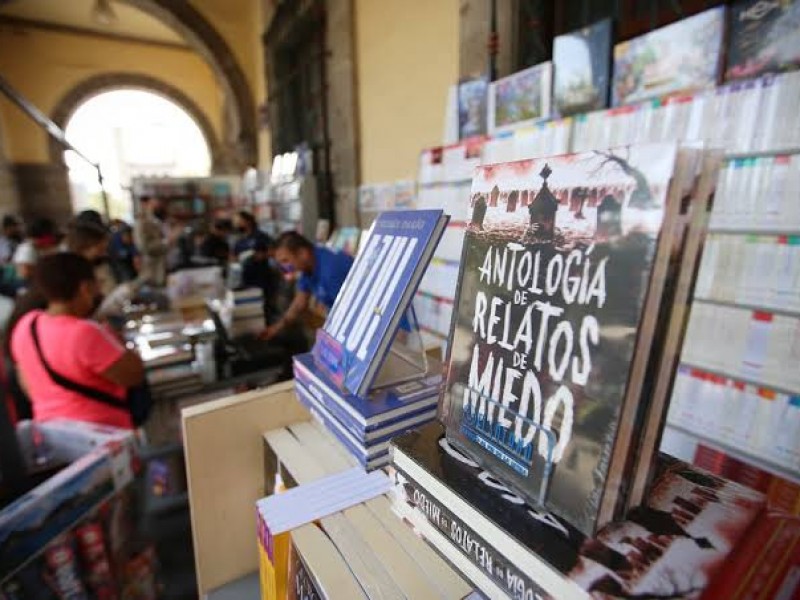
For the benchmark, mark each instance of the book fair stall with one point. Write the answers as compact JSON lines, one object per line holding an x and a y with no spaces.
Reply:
{"x":564,"y":363}
{"x":563,"y":367}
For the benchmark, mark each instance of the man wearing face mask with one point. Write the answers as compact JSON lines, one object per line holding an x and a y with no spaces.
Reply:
{"x":151,"y":241}
{"x":321,"y":274}
{"x":61,"y":345}
{"x":249,"y":234}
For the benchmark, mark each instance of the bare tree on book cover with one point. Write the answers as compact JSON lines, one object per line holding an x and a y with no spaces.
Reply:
{"x":549,"y":303}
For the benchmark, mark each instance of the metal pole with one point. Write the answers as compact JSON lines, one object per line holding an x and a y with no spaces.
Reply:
{"x":103,"y":193}
{"x":493,"y":41}
{"x":52,"y":129}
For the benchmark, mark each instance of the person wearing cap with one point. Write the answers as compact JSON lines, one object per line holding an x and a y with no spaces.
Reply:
{"x":10,"y":238}
{"x":321,"y":274}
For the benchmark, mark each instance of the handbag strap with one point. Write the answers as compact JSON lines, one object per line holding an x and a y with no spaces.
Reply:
{"x":69,"y":384}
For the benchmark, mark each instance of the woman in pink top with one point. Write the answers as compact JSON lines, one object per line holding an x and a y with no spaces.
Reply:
{"x":73,"y":347}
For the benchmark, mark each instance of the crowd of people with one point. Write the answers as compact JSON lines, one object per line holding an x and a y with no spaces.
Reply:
{"x":62,"y":355}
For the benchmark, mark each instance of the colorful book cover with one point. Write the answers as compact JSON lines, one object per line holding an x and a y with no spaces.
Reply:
{"x":472,"y":107}
{"x":582,"y":64}
{"x":680,"y":57}
{"x":557,"y":260}
{"x":670,"y":548}
{"x":520,"y":99}
{"x":764,"y":38}
{"x":376,"y":293}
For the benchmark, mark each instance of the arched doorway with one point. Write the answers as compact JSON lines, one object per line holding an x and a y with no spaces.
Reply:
{"x":239,"y":143}
{"x":130,"y":133}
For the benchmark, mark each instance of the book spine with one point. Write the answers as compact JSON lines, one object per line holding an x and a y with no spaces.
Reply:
{"x":358,"y":450}
{"x":334,"y":405}
{"x":478,"y":551}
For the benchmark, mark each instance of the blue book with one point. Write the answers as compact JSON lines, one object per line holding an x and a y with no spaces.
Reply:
{"x":310,"y":397}
{"x":369,"y":458}
{"x":381,"y":410}
{"x":353,"y":345}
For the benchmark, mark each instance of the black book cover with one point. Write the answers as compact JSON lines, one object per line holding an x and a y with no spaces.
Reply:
{"x":764,"y":38}
{"x":553,"y":539}
{"x":582,"y":63}
{"x":670,"y":548}
{"x":556,"y":264}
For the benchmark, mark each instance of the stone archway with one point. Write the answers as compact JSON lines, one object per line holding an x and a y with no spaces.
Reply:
{"x":107,"y":82}
{"x":239,"y":146}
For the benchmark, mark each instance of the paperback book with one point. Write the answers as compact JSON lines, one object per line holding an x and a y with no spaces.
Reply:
{"x":370,"y":449}
{"x":764,"y":38}
{"x":520,"y":99}
{"x":472,"y":95}
{"x":681,"y":57}
{"x":582,"y":64}
{"x":380,"y":409}
{"x":355,"y":342}
{"x":561,"y":262}
{"x":670,"y":548}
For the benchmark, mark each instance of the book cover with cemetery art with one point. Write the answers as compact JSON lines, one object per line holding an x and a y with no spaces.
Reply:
{"x":555,"y":269}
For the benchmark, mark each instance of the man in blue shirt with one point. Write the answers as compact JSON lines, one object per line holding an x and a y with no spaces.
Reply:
{"x":321,"y":275}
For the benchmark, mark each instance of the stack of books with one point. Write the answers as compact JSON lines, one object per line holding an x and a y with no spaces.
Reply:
{"x":364,"y":546}
{"x":247,"y":311}
{"x":366,"y":425}
{"x":367,"y":378}
{"x":672,"y":547}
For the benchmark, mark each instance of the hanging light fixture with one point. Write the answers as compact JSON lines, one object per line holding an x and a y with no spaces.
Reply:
{"x":103,"y":14}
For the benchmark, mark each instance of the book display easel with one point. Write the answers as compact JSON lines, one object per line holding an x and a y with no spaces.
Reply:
{"x":444,"y":176}
{"x":368,"y":377}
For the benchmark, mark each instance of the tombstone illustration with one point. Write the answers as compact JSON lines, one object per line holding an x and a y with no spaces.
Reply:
{"x":511,"y":203}
{"x":609,"y":218}
{"x":543,"y":209}
{"x":581,"y":194}
{"x":494,"y":195}
{"x":479,"y":211}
